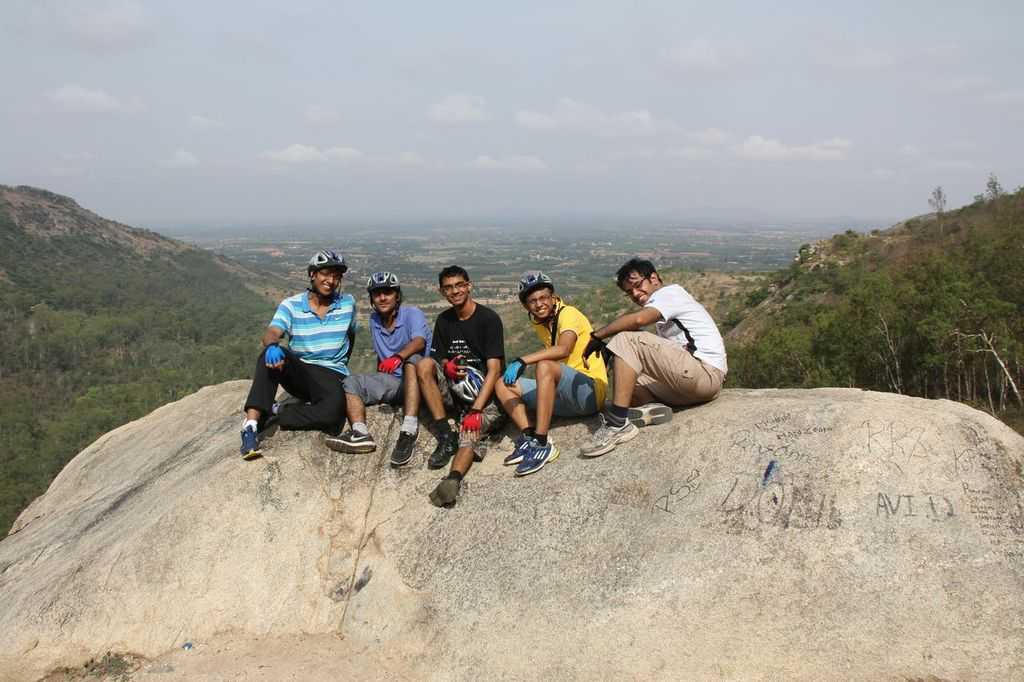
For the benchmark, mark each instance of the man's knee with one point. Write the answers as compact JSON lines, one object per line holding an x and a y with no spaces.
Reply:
{"x":548,"y":370}
{"x":425,"y":369}
{"x":624,"y":340}
{"x":503,"y":391}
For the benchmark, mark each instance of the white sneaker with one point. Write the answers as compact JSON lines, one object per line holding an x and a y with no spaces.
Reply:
{"x":607,"y":437}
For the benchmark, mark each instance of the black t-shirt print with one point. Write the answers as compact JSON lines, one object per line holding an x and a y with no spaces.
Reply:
{"x":479,"y":338}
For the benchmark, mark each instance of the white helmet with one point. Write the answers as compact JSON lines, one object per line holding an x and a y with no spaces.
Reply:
{"x":468,"y":388}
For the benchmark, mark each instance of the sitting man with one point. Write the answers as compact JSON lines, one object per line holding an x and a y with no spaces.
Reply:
{"x":320,"y":324}
{"x":564,"y":385}
{"x":467,"y":354}
{"x":401,"y":338}
{"x":683,"y":364}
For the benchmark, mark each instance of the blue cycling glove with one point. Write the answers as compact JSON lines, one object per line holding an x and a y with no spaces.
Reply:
{"x":273,"y":355}
{"x":513,"y":371}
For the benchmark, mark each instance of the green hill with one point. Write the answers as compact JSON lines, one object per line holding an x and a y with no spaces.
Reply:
{"x":102,"y":324}
{"x":933,"y":307}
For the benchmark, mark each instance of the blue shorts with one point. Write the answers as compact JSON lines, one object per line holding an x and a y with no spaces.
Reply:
{"x":575,"y":395}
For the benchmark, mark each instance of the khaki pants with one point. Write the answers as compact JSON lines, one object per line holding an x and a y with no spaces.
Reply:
{"x":666,"y":369}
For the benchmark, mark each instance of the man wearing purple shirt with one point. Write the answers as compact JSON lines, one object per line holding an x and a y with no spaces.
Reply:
{"x":401,"y":337}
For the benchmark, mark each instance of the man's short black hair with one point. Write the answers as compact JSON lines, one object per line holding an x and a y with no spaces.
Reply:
{"x":452,"y":271}
{"x":644,"y":268}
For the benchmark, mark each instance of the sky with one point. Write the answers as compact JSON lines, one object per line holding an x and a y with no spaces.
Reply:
{"x":163,"y":114}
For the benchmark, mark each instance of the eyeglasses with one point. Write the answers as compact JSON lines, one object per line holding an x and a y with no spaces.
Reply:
{"x":458,"y":286}
{"x":534,"y":301}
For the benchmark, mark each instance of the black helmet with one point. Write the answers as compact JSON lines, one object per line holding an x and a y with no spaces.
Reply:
{"x":325,"y":259}
{"x":531,"y":281}
{"x":382,"y":280}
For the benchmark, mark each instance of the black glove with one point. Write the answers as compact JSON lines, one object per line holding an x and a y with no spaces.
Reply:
{"x":595,"y":345}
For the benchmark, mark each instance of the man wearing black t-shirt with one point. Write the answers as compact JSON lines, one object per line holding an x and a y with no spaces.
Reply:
{"x":467,"y":356}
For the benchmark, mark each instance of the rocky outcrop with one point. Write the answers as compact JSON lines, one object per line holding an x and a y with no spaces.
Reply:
{"x":830,"y":533}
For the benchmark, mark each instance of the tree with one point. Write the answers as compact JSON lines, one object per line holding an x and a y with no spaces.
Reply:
{"x":938,"y":204}
{"x":993,"y":190}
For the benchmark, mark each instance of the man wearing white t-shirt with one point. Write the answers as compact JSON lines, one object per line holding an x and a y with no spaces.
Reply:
{"x":682,"y":364}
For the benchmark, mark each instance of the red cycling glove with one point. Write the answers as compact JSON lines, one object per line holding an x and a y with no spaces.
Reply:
{"x":451,"y":368}
{"x":473,"y":420}
{"x":389,"y":365}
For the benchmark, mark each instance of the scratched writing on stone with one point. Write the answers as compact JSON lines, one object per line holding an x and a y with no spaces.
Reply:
{"x":894,"y":442}
{"x":747,"y":441}
{"x":1000,"y":517}
{"x":750,"y":503}
{"x":773,"y":422}
{"x":677,"y":492}
{"x":928,"y":505}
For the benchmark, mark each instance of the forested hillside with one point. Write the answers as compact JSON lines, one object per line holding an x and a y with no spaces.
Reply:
{"x":933,"y":307}
{"x":103,"y":323}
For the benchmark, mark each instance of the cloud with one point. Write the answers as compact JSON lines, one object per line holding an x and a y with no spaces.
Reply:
{"x":1012,"y":97}
{"x":710,"y":137}
{"x":701,"y":57}
{"x":106,"y":26}
{"x":410,"y":159}
{"x":951,"y":165}
{"x":521,"y":164}
{"x":759,"y":148}
{"x":296,"y":153}
{"x":689,"y":154}
{"x":459,"y":108}
{"x":304,"y":153}
{"x":883,"y":173}
{"x":81,"y":100}
{"x":197,"y":122}
{"x":342,"y":154}
{"x":181,"y":159}
{"x":320,"y":116}
{"x":958,"y":85}
{"x":577,"y":117}
{"x":865,"y":59}
{"x":910,"y":151}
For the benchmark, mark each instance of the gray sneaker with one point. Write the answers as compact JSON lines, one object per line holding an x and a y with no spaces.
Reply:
{"x":650,"y":414}
{"x":607,"y":437}
{"x":351,"y":442}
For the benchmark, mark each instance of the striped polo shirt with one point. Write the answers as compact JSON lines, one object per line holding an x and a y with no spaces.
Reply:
{"x":318,"y":341}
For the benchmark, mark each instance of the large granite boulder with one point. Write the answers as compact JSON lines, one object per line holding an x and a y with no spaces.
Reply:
{"x":830,"y":533}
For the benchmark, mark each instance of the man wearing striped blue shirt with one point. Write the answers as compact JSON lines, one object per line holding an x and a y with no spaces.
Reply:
{"x":320,"y":324}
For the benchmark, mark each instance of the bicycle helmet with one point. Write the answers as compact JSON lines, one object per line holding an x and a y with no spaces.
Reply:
{"x":468,"y":388}
{"x":325,"y":259}
{"x":531,"y":281}
{"x":382,"y":280}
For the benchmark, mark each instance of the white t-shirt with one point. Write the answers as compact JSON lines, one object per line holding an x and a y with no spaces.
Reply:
{"x":686,"y":322}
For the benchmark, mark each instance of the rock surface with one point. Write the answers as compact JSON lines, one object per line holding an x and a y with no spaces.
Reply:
{"x":886,"y":542}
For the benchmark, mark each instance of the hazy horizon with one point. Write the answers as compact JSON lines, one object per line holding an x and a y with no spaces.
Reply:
{"x":191,"y":116}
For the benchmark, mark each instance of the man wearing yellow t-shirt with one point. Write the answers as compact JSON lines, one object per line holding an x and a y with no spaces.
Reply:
{"x":564,"y":385}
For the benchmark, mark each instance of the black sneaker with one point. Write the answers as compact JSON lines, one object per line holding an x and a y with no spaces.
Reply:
{"x":351,"y":442}
{"x":403,"y":449}
{"x":447,"y":444}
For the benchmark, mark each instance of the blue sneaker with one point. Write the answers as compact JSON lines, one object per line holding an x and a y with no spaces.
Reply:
{"x":535,"y":456}
{"x":518,"y":448}
{"x":250,"y":444}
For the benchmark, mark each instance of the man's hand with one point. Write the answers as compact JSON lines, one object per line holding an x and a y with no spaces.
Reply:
{"x":513,"y":371}
{"x":390,"y":365}
{"x":473,"y":420}
{"x":595,"y":345}
{"x":453,"y":369}
{"x":273,"y":356}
